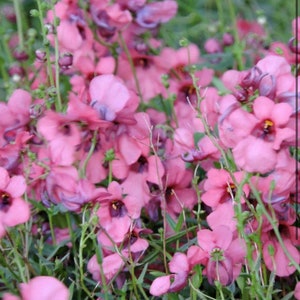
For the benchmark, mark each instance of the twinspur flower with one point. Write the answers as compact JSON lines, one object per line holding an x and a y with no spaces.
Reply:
{"x":13,"y":209}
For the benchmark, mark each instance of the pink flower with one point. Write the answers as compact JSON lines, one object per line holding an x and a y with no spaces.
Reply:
{"x":8,"y":296}
{"x":133,"y":245}
{"x":62,"y":136}
{"x":255,"y":155}
{"x":176,"y":59}
{"x":117,"y":212}
{"x":219,"y":187}
{"x":72,"y":31}
{"x":283,"y":178}
{"x":281,"y":49}
{"x":109,"y":96}
{"x":161,"y":285}
{"x":10,"y":152}
{"x":234,"y":122}
{"x":15,"y":113}
{"x":178,"y":193}
{"x":146,"y":67}
{"x":44,"y":288}
{"x":223,"y":215}
{"x":274,"y":256}
{"x":274,"y":65}
{"x":212,"y":45}
{"x":272,"y":121}
{"x":14,"y":116}
{"x":41,"y":288}
{"x":246,"y":28}
{"x":109,"y":17}
{"x":13,"y":209}
{"x":79,"y":111}
{"x":64,"y":186}
{"x":258,"y":151}
{"x":225,"y":255}
{"x":179,"y":266}
{"x":111,"y":265}
{"x":297,"y":291}
{"x":155,"y":13}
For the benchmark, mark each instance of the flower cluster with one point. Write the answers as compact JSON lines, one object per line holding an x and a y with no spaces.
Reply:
{"x":149,"y":147}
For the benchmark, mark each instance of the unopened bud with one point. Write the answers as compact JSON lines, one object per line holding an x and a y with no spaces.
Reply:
{"x":228,"y":39}
{"x":41,"y":55}
{"x":65,"y":61}
{"x":20,"y":55}
{"x":16,"y":71}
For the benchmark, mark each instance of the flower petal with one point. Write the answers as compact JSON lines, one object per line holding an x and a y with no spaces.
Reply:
{"x":263,"y":107}
{"x":17,"y":186}
{"x":18,"y":213}
{"x":160,"y":285}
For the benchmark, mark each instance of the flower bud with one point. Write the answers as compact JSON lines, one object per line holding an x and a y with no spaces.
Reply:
{"x":65,"y":61}
{"x":40,"y":55}
{"x":228,"y":39}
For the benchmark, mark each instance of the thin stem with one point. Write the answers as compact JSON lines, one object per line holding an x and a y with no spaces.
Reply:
{"x":46,"y":43}
{"x":110,"y":173}
{"x":99,"y":255}
{"x":90,"y":153}
{"x":274,"y":226}
{"x":220,"y":12}
{"x":238,"y":47}
{"x":17,"y":257}
{"x":17,"y":4}
{"x":131,"y":63}
{"x":163,"y":198}
{"x":82,"y":245}
{"x":74,"y":247}
{"x":52,"y":228}
{"x":58,"y":103}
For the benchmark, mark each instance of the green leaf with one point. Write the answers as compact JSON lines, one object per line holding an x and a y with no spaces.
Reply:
{"x":179,"y":222}
{"x":171,"y":222}
{"x":220,"y":86}
{"x":143,"y":273}
{"x":197,"y":137}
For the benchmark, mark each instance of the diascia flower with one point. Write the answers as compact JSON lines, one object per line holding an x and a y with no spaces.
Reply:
{"x":13,"y":209}
{"x":41,"y":288}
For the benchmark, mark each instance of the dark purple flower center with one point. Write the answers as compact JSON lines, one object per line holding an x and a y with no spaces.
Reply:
{"x":265,"y":131}
{"x":117,"y":209}
{"x":142,"y":62}
{"x":65,"y":129}
{"x":5,"y":201}
{"x":268,"y":126}
{"x":231,"y":189}
{"x":130,"y":239}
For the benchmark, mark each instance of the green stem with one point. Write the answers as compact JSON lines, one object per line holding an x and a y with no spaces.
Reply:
{"x":110,"y":173}
{"x":136,"y":284}
{"x":206,"y":127}
{"x":46,"y":43}
{"x":82,"y":244}
{"x":274,"y":226}
{"x":52,"y":228}
{"x":17,"y":257}
{"x":74,"y":248}
{"x":99,"y":255}
{"x":220,"y":12}
{"x":9,"y":267}
{"x":17,"y":7}
{"x":131,"y":63}
{"x":82,"y":171}
{"x":58,"y":104}
{"x":238,"y":47}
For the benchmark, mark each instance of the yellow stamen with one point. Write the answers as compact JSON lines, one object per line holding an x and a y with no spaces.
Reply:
{"x":268,"y":124}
